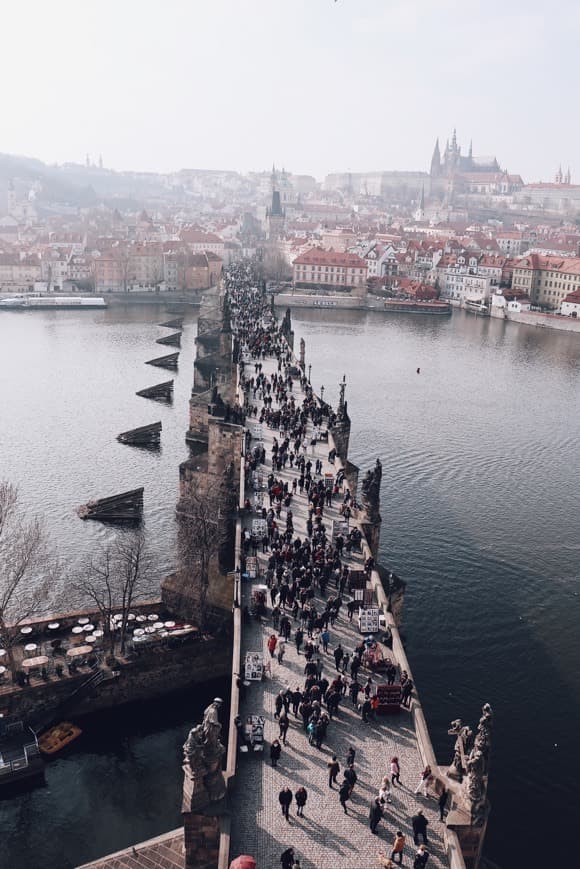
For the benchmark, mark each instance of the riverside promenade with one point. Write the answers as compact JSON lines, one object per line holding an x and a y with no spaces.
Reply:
{"x":325,"y":836}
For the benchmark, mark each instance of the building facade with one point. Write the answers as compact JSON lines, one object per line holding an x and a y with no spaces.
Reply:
{"x":329,"y":270}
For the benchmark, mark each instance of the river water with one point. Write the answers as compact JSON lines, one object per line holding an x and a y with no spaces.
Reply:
{"x":479,"y":503}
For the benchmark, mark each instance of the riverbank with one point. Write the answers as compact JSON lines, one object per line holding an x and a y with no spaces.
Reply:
{"x":347,"y":302}
{"x":187,"y":298}
{"x":68,"y":678}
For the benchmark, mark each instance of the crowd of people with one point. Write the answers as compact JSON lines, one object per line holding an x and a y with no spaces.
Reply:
{"x":297,"y":569}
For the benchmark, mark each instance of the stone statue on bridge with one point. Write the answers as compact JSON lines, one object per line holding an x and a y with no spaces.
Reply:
{"x":371,"y":490}
{"x":203,"y":751}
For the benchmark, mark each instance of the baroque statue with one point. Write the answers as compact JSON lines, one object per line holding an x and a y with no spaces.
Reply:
{"x":371,"y":489}
{"x":202,"y":761}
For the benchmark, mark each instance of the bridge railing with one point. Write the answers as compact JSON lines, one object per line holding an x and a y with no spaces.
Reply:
{"x":232,"y":752}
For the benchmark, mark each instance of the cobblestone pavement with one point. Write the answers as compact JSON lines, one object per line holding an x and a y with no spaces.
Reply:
{"x":325,"y":837}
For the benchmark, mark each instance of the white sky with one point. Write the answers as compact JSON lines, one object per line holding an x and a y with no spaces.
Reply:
{"x":314,"y":85}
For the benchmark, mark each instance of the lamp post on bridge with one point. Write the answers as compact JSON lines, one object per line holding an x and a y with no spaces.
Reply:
{"x":322,"y":394}
{"x":309,"y":370}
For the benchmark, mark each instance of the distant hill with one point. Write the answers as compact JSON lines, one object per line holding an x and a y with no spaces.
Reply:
{"x":75,"y":184}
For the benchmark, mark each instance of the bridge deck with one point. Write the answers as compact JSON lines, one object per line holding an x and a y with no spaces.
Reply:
{"x":325,"y":838}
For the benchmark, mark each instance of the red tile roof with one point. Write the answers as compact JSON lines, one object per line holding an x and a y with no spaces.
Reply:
{"x":317,"y":256}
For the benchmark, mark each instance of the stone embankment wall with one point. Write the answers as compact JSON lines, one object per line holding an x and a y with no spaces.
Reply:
{"x":145,"y":678}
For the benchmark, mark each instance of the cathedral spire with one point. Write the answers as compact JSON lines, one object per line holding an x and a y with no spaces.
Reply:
{"x":436,"y":160}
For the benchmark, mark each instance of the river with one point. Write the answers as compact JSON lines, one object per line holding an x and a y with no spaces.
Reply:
{"x":479,"y":503}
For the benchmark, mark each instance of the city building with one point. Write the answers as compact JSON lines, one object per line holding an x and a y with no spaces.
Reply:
{"x":330,"y":270}
{"x":548,"y":280}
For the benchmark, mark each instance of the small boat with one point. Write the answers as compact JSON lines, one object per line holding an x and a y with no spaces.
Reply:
{"x":19,"y":754}
{"x":57,"y":737}
{"x":477,"y":306}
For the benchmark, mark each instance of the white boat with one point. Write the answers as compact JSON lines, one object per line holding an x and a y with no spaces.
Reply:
{"x":477,"y":306}
{"x":38,"y":302}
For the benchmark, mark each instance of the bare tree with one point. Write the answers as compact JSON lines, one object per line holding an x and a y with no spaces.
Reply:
{"x":113,"y":580}
{"x":23,"y":567}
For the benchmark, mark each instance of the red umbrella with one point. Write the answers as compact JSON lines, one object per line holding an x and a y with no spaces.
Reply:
{"x":243,"y":862}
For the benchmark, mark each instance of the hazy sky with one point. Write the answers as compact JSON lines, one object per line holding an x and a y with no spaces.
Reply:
{"x":315,"y":85}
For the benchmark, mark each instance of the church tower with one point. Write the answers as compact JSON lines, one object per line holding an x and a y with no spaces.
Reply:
{"x":436,"y":161}
{"x":275,"y":214}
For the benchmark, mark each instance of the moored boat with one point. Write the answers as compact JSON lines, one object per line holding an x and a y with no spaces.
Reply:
{"x":19,"y":752}
{"x":412,"y":306}
{"x":38,"y":302}
{"x":477,"y":306}
{"x":58,"y":737}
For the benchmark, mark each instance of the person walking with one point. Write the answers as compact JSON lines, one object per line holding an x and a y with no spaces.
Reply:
{"x":385,"y":790}
{"x":281,"y":651}
{"x":395,"y":771}
{"x":351,"y":777}
{"x":285,"y":799}
{"x":272,"y":644}
{"x":344,"y":795}
{"x":333,"y":770}
{"x":375,"y":814}
{"x":338,"y":654}
{"x":284,"y":724}
{"x":275,"y":752}
{"x":287,"y":858}
{"x":301,"y":796}
{"x":426,"y":777}
{"x":398,"y":848}
{"x":298,"y":638}
{"x":325,"y":637}
{"x":366,"y":710}
{"x":421,"y":858}
{"x":406,"y":693}
{"x":419,"y":823}
{"x":351,"y":754}
{"x":442,"y":803}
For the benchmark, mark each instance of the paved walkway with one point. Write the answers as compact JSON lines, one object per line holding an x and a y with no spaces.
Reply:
{"x":325,"y":837}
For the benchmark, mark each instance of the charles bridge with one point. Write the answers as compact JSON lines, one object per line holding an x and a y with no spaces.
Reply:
{"x":230,"y":790}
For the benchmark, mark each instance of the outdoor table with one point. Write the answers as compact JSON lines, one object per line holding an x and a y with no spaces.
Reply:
{"x":138,"y":632}
{"x":141,"y":619}
{"x":144,"y":638}
{"x":2,"y":653}
{"x":53,"y":626}
{"x":78,"y":652}
{"x":98,"y":634}
{"x":2,"y":671}
{"x":30,"y":648}
{"x":149,"y":629}
{"x":131,"y":617}
{"x":88,"y":628}
{"x":118,"y":617}
{"x":169,"y":625}
{"x":158,"y":626}
{"x":152,"y":617}
{"x":83,"y":620}
{"x":32,"y":663}
{"x":77,"y":630}
{"x":90,"y":638}
{"x":26,"y":630}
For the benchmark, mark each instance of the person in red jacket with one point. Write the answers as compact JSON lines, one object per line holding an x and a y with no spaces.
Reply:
{"x":272,"y":644}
